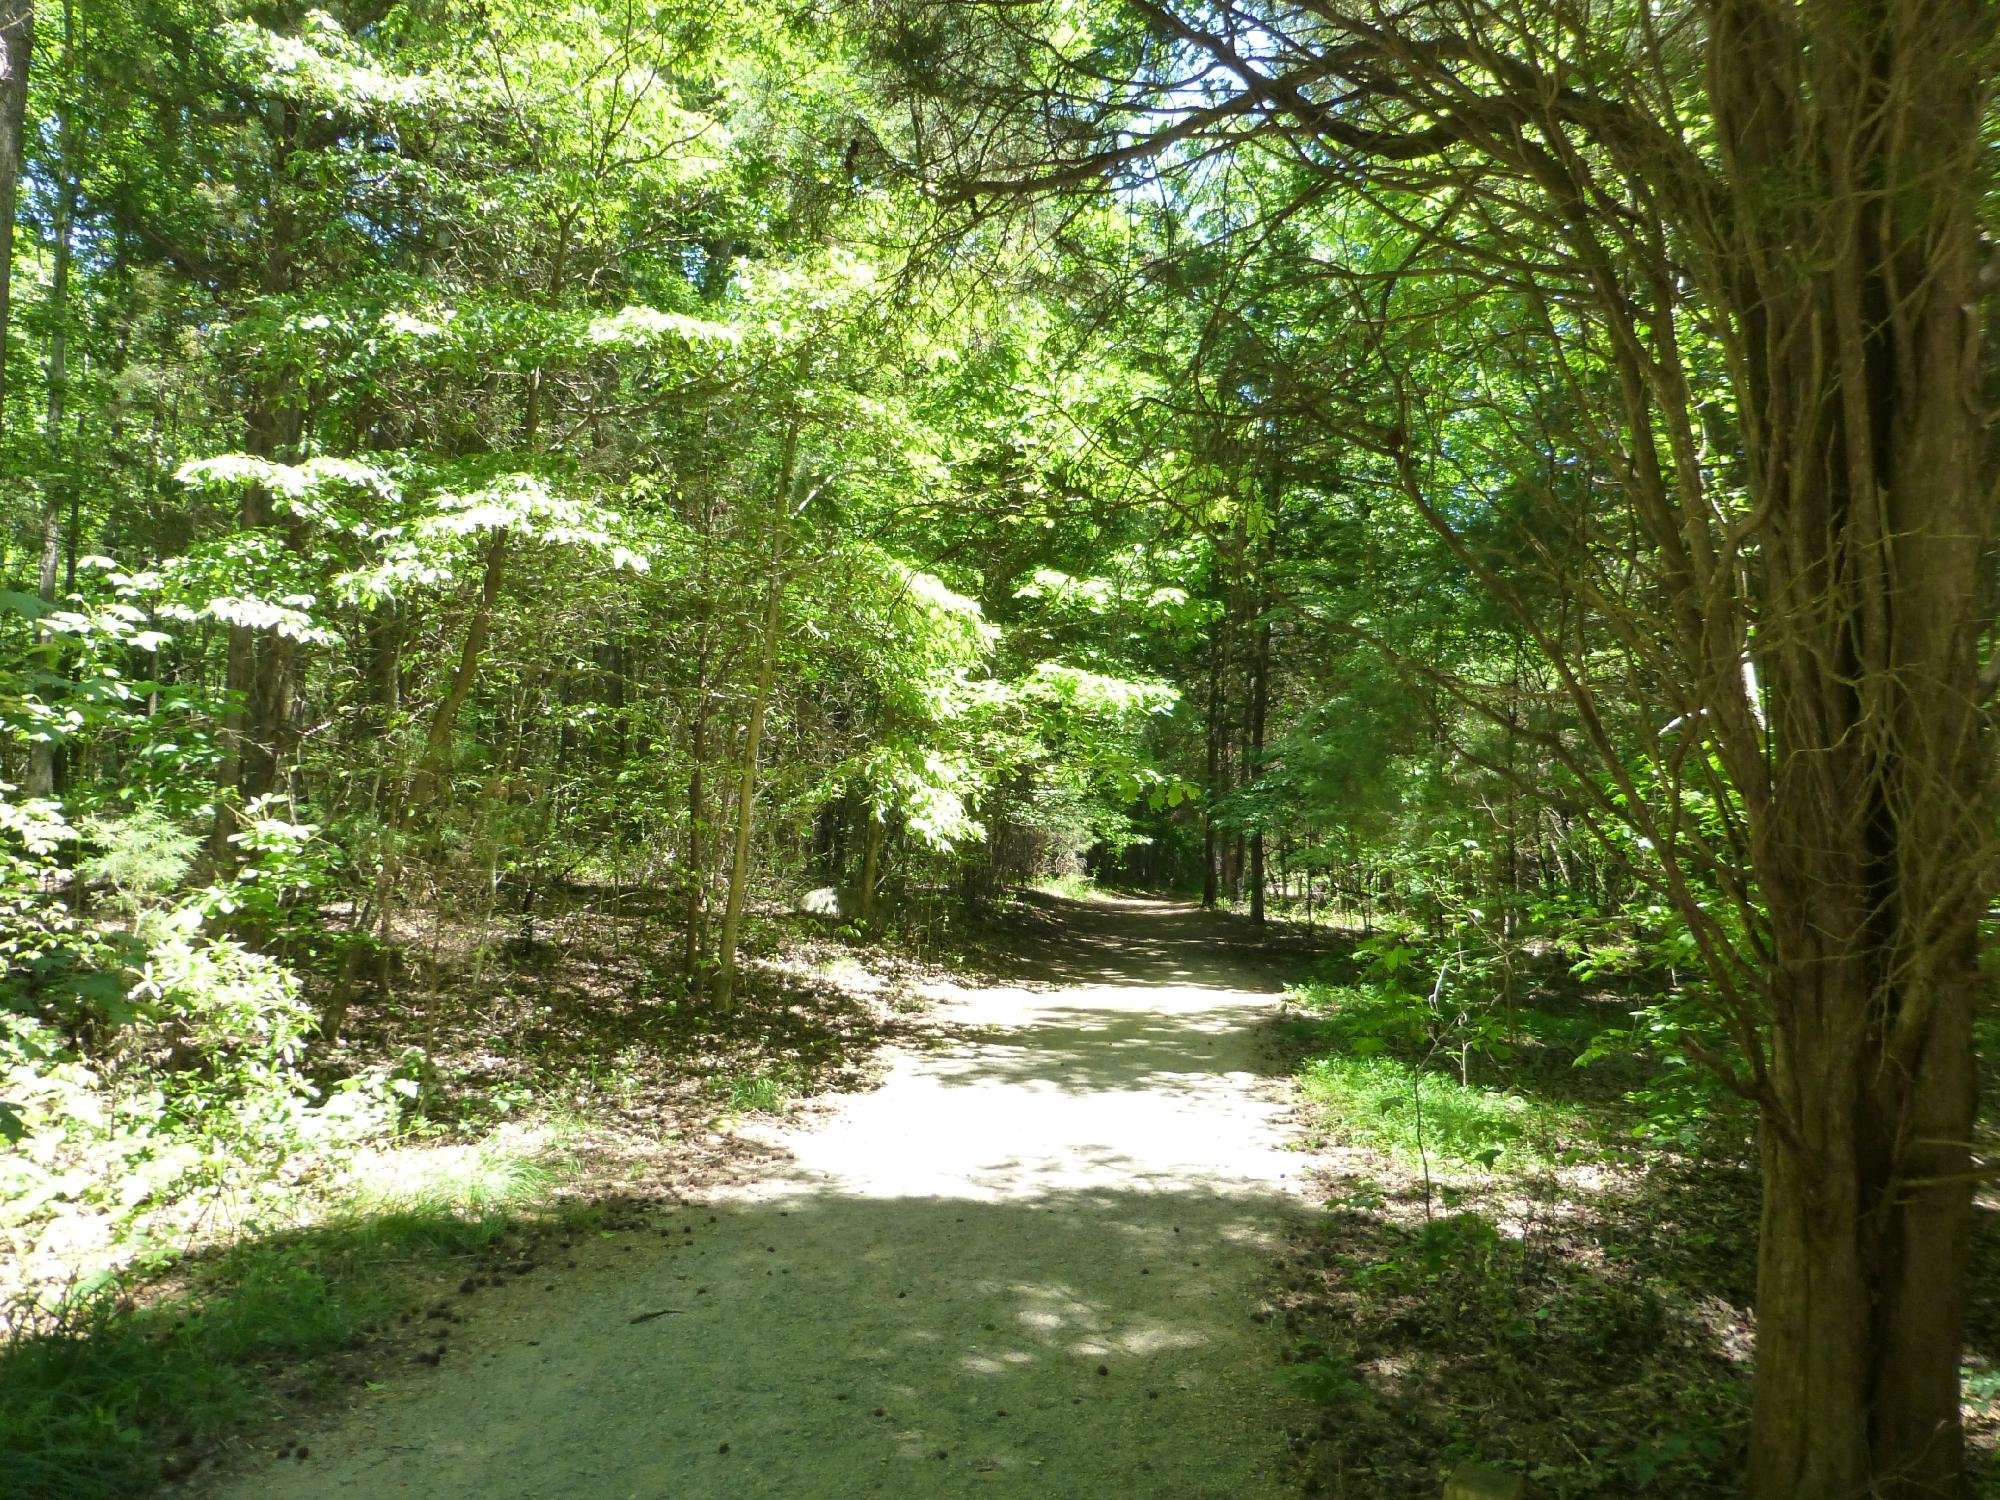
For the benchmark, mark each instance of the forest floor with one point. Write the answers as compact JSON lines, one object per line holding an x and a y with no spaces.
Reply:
{"x":1031,"y":1262}
{"x":1539,"y":1256}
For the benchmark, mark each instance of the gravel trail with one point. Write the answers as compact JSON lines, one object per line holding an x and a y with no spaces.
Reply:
{"x":1027,"y":1265}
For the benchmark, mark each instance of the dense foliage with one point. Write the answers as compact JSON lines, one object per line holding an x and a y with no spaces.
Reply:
{"x":1351,"y":463}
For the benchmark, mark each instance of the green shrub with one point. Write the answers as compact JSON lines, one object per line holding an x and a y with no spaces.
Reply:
{"x":142,"y":856}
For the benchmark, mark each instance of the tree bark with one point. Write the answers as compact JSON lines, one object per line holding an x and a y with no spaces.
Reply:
{"x":1212,"y":786}
{"x":432,"y":781}
{"x":694,"y":937}
{"x":40,"y":780}
{"x":58,"y":484}
{"x":753,"y":734}
{"x":257,"y":673}
{"x":17,"y":46}
{"x":871,"y":866}
{"x":1860,"y":364}
{"x":1260,"y":705}
{"x":753,"y":739}
{"x":1259,"y":702}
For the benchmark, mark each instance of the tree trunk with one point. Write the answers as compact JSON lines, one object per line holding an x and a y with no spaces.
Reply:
{"x":1212,"y":787}
{"x":1864,"y":1249}
{"x":260,"y":666}
{"x":753,"y":738}
{"x":257,"y":673}
{"x":1859,"y":381}
{"x":17,"y":45}
{"x":381,"y":637}
{"x":871,"y":866}
{"x":239,"y":675}
{"x":268,"y":747}
{"x":1260,"y":702}
{"x":431,"y":782}
{"x":694,"y":938}
{"x":432,"y":778}
{"x":57,"y":485}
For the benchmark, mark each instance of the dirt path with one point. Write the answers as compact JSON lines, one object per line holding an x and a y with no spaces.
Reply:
{"x":1025,"y":1266}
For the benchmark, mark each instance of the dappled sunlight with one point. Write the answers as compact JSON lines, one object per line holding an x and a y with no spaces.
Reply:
{"x":995,"y":1364}
{"x":1080,"y":1051}
{"x":1090,"y":1088}
{"x":999,"y":1142}
{"x":1153,"y":1338}
{"x":1038,"y":1249}
{"x":1168,"y":948}
{"x":834,"y":1342}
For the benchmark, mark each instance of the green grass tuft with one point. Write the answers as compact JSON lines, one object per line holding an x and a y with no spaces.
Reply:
{"x":1071,"y":887}
{"x":502,"y":1174}
{"x":755,"y":1093}
{"x":1374,"y":1101}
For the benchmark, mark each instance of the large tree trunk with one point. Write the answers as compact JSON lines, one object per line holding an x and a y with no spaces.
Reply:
{"x":1864,"y":1247}
{"x":1854,"y":295}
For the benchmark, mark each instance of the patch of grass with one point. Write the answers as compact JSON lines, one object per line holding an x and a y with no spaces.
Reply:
{"x":1584,"y":1327}
{"x":1070,"y":887}
{"x":102,"y":1397}
{"x":1394,"y":1106}
{"x":561,"y":1066}
{"x":1590,"y":1329}
{"x":755,"y":1093}
{"x":506,"y":1173}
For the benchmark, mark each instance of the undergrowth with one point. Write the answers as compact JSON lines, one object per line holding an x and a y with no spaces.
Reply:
{"x":1540,"y":1237}
{"x":769,"y":1093}
{"x":103,"y":1393}
{"x":1533,"y":1255}
{"x":1414,"y":1113}
{"x":1068,"y":886}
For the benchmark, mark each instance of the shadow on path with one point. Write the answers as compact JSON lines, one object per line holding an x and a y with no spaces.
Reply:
{"x":850,"y":1346}
{"x":1133,"y":941}
{"x":1028,"y":1265}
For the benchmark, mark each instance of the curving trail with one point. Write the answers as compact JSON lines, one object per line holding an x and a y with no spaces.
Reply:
{"x":1092,"y":1175}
